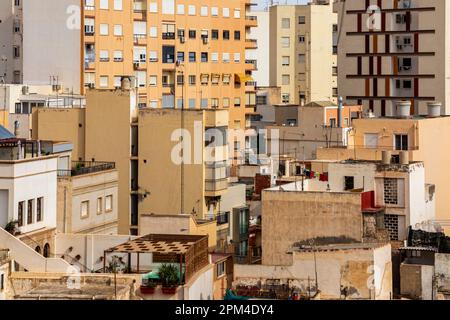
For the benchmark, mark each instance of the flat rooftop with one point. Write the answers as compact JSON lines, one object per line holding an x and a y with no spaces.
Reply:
{"x":343,"y":246}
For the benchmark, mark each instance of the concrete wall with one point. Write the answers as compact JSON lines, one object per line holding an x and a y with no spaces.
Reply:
{"x":59,"y":23}
{"x":261,"y":34}
{"x":290,"y":217}
{"x":442,"y":268}
{"x":416,"y":281}
{"x":61,"y":125}
{"x":353,"y":269}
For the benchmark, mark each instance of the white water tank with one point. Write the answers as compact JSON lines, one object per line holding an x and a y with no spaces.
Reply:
{"x":434,"y":109}
{"x":404,"y":157}
{"x":386,"y":157}
{"x":403,"y":109}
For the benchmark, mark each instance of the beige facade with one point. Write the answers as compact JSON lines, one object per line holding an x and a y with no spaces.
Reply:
{"x":301,"y":52}
{"x":182,"y":55}
{"x":416,"y":135}
{"x":392,"y":51}
{"x":88,"y":199}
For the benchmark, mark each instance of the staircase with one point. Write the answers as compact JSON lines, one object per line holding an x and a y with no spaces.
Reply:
{"x":30,"y":259}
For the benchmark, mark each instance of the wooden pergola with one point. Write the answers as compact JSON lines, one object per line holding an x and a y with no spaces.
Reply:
{"x":192,"y":250}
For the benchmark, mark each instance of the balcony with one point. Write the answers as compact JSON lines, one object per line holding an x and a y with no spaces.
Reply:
{"x":139,"y":65}
{"x":215,"y":187}
{"x":140,"y":39}
{"x":168,"y":36}
{"x":251,"y":65}
{"x":222,"y":218}
{"x":86,"y":167}
{"x":251,"y":21}
{"x":139,"y":14}
{"x":251,"y":44}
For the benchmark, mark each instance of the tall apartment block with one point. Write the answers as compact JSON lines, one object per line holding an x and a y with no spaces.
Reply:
{"x":187,"y":54}
{"x":394,"y":50}
{"x":300,"y":51}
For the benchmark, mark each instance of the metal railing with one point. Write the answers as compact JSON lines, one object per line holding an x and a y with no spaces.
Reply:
{"x":222,"y":218}
{"x":86,"y":167}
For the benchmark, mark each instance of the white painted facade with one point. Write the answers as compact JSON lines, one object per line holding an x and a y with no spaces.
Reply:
{"x":261,"y":54}
{"x":28,"y":180}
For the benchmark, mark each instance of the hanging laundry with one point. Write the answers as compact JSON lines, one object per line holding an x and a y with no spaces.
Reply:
{"x":311,"y":174}
{"x":324,"y":177}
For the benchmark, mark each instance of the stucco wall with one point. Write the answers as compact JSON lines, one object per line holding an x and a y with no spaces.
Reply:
{"x":290,"y":217}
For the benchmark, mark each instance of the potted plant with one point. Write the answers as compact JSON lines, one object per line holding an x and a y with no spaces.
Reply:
{"x":168,"y":274}
{"x":148,"y":288}
{"x":11,"y":227}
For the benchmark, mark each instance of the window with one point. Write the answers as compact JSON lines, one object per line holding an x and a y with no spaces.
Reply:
{"x":117,"y":81}
{"x":153,"y":8}
{"x":225,"y":57}
{"x":285,"y":23}
{"x":237,"y":35}
{"x":104,"y":29}
{"x":237,"y":13}
{"x":204,"y":11}
{"x":16,"y":52}
{"x":334,"y":91}
{"x":153,"y":56}
{"x":141,"y":77}
{"x":104,"y":55}
{"x":215,"y":34}
{"x":204,"y":103}
{"x":401,"y":142}
{"x":215,"y":79}
{"x":168,"y":31}
{"x":301,"y":39}
{"x":192,"y":103}
{"x":285,"y":42}
{"x":180,"y":79}
{"x":180,"y":8}
{"x":108,"y":203}
{"x":333,"y":122}
{"x":237,"y":102}
{"x":168,"y":54}
{"x":16,"y":26}
{"x":103,"y":81}
{"x":204,"y":57}
{"x":237,"y":144}
{"x":220,"y":269}
{"x":334,"y":70}
{"x":89,"y":26}
{"x":285,"y":61}
{"x":237,"y":57}
{"x":371,"y":140}
{"x":261,"y":100}
{"x":285,"y":79}
{"x":104,"y":4}
{"x":214,"y":57}
{"x":226,"y":12}
{"x":301,"y":20}
{"x":237,"y":124}
{"x":226,"y":35}
{"x":168,"y":6}
{"x":226,"y":79}
{"x":153,"y":104}
{"x":214,"y":11}
{"x":204,"y":78}
{"x":180,"y":56}
{"x":2,"y":281}
{"x":191,"y":56}
{"x":30,"y":211}
{"x":301,"y":58}
{"x":20,"y":208}
{"x":179,"y":103}
{"x":118,"y":56}
{"x":153,"y":32}
{"x":84,"y":209}
{"x":407,"y":84}
{"x":118,"y":5}
{"x":349,"y":183}
{"x":191,"y":10}
{"x":192,"y":34}
{"x":99,"y":205}
{"x":192,"y":80}
{"x":285,"y":97}
{"x":153,"y":80}
{"x":390,"y":191}
{"x":226,"y":102}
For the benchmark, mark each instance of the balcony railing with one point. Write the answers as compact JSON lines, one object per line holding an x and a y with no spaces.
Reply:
{"x":222,"y":218}
{"x":86,"y":167}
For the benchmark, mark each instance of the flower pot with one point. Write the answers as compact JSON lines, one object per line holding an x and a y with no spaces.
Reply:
{"x":147,"y":290}
{"x":169,"y":290}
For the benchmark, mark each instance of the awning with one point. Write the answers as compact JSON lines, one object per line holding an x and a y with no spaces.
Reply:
{"x":242,"y":77}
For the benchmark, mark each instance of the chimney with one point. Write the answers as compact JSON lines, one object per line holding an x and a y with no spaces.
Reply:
{"x":434,"y":109}
{"x":403,"y":109}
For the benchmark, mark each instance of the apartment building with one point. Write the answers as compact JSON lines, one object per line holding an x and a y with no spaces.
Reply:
{"x":393,"y":50}
{"x":300,"y":52}
{"x":416,"y":135}
{"x":140,"y":143}
{"x":188,"y":54}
